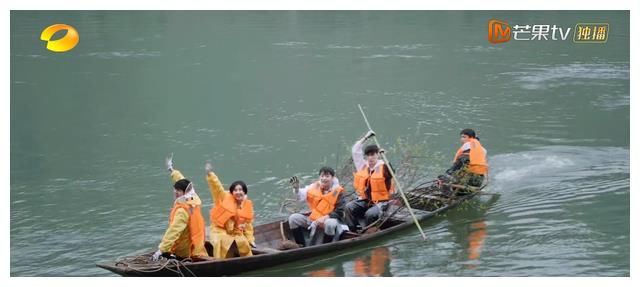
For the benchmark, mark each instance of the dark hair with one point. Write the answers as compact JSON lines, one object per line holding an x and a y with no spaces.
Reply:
{"x":182,"y":184}
{"x":326,"y":169}
{"x":371,"y":149}
{"x":469,"y":132}
{"x":240,"y":183}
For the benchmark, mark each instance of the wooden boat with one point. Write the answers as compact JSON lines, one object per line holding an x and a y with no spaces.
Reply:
{"x":269,"y":237}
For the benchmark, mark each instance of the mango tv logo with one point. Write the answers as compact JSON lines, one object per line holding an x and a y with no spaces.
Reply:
{"x":64,"y":44}
{"x":499,"y":32}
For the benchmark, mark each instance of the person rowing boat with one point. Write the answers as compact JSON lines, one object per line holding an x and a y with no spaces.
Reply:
{"x":373,"y":183}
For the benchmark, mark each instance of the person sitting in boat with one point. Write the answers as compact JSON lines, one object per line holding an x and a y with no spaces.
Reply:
{"x":231,"y":218}
{"x":470,"y":161}
{"x":373,"y":182}
{"x":325,"y":199}
{"x":186,"y":233}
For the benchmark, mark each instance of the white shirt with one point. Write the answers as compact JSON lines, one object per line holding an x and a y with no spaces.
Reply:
{"x":302,"y":192}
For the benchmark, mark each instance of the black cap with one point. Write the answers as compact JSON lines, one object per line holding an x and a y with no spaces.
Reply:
{"x":371,"y":149}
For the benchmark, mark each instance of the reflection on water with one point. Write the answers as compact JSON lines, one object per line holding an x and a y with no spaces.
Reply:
{"x":375,"y":264}
{"x":476,"y":241}
{"x":471,"y":229}
{"x":478,"y":231}
{"x":327,"y":272}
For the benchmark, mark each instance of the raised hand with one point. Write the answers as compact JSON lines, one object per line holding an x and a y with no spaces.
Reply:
{"x":169,"y":162}
{"x":295,"y":183}
{"x":369,"y":134}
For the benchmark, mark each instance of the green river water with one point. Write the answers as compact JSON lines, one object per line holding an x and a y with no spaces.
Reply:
{"x":265,"y":95}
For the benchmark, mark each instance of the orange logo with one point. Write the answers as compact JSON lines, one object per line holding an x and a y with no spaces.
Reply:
{"x":499,"y":32}
{"x":66,"y":43}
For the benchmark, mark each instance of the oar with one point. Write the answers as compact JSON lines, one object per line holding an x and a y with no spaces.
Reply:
{"x":406,"y":202}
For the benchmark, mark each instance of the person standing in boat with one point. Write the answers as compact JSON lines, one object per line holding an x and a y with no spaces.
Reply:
{"x":325,"y":199}
{"x":186,"y":233}
{"x":470,"y":161}
{"x":373,"y":182}
{"x":231,"y":217}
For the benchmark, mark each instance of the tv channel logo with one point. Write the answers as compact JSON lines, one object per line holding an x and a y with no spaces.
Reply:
{"x":64,"y":44}
{"x":499,"y":32}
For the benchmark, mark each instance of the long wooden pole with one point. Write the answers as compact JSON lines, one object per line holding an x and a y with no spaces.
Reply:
{"x":406,"y":202}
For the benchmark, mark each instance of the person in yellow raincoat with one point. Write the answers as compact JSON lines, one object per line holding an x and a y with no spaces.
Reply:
{"x":186,"y":232}
{"x":231,"y":232}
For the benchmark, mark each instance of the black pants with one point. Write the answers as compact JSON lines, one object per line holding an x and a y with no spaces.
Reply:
{"x":363,"y":208}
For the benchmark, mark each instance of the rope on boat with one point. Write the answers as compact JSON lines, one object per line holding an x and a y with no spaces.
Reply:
{"x":144,"y":264}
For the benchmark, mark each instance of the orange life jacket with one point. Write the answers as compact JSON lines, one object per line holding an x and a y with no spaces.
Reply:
{"x":227,"y":209}
{"x":376,"y":180}
{"x":322,"y":204}
{"x":195,"y":225}
{"x":477,"y":158}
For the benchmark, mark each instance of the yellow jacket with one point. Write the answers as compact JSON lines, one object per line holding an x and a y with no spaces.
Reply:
{"x":220,"y":238}
{"x":177,"y":233}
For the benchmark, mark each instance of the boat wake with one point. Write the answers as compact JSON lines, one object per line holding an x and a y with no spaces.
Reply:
{"x":555,"y":164}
